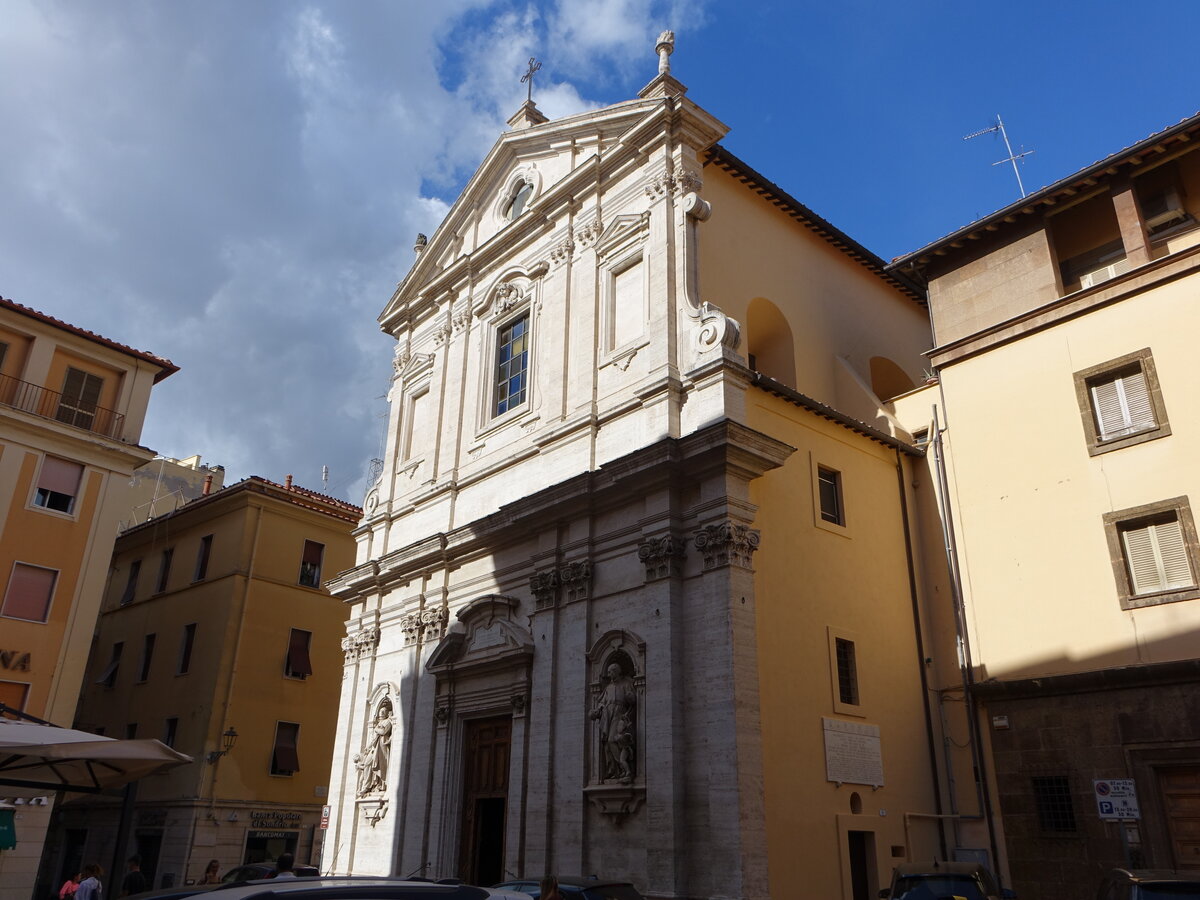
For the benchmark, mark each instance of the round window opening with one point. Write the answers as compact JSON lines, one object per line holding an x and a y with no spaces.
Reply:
{"x":520,"y":196}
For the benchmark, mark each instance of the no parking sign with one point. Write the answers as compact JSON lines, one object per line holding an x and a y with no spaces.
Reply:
{"x":1116,"y":798}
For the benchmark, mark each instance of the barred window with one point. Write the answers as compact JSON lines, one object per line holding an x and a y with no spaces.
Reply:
{"x":1052,"y":795}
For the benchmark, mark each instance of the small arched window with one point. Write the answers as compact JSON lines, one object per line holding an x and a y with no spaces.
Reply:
{"x":521,"y":193}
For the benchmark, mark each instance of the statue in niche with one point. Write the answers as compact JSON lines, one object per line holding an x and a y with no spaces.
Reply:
{"x":615,"y":707}
{"x":372,"y":763}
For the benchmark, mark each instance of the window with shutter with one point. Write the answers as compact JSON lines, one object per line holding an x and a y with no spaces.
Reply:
{"x":285,"y":760}
{"x":1121,"y":403}
{"x":80,"y":396}
{"x":1154,"y":553}
{"x":58,"y":484}
{"x":298,"y":663}
{"x":30,"y":589}
{"x":310,"y":564}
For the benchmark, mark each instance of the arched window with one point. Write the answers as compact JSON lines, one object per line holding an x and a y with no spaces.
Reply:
{"x":769,"y":342}
{"x":888,"y":380}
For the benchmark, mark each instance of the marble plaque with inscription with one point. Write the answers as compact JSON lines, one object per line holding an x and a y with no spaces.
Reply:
{"x":852,"y":753}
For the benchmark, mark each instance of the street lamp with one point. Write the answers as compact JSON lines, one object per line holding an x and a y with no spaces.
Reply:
{"x":228,"y":739}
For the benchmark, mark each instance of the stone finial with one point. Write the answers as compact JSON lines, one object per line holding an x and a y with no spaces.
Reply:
{"x":664,"y":49}
{"x":419,"y":245}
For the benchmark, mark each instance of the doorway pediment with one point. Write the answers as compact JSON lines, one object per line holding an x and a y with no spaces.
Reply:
{"x":485,"y":637}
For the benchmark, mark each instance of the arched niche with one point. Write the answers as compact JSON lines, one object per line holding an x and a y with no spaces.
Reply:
{"x":888,"y":380}
{"x":769,"y":342}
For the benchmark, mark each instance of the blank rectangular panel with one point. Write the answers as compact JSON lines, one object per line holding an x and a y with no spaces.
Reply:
{"x":628,"y":304}
{"x":29,"y":591}
{"x":418,"y":430}
{"x":60,"y":476}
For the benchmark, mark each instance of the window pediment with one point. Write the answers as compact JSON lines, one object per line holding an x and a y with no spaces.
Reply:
{"x":486,"y":636}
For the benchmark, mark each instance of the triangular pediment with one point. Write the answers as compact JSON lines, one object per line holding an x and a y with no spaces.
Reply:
{"x":561,"y":161}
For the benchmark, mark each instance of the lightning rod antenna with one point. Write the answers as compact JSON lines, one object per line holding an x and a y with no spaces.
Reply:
{"x":1012,"y":157}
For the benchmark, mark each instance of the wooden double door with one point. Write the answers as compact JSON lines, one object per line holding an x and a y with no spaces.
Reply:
{"x":487,"y":745}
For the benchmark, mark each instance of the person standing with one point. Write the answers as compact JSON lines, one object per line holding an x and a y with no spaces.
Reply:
{"x":134,"y":881}
{"x":212,"y":874}
{"x":90,"y":888}
{"x":70,"y":886}
{"x":549,"y":889}
{"x":284,"y":866}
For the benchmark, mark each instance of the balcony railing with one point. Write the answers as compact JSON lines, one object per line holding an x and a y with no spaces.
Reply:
{"x":40,"y":401}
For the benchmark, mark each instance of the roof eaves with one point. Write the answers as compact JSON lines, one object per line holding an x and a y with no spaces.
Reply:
{"x":1048,"y":194}
{"x":166,"y":367}
{"x":773,"y":193}
{"x":770,"y":385}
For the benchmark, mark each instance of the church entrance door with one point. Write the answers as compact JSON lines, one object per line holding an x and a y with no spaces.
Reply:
{"x":485,"y":799}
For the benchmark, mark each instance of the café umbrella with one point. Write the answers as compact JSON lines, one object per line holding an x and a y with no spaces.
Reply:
{"x":45,"y":758}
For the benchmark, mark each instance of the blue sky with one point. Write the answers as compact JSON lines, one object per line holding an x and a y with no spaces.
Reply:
{"x":237,"y":185}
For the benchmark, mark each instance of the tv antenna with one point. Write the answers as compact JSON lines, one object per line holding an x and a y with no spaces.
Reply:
{"x":1012,"y":157}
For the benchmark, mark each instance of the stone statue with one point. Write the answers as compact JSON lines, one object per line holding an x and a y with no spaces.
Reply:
{"x":664,"y":49}
{"x":615,"y":711}
{"x":372,"y":763}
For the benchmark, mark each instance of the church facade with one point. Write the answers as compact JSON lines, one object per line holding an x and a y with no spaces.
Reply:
{"x":639,"y":591}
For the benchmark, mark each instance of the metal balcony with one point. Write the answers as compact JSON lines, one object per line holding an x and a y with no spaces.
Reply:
{"x":48,"y":404}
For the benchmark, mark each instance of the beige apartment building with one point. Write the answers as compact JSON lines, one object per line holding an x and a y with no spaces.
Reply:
{"x":217,"y":638}
{"x":1069,"y":412}
{"x":72,"y":404}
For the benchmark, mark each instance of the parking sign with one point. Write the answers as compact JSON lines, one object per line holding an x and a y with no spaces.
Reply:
{"x":1116,"y":798}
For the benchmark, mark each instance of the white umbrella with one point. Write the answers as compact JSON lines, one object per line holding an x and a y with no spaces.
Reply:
{"x":48,"y":758}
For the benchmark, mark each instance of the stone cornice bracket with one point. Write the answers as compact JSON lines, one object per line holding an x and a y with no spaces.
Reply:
{"x":670,"y":183}
{"x":400,"y":357}
{"x":726,"y":544}
{"x":563,"y":250}
{"x":662,"y":556}
{"x":588,"y":234}
{"x":716,"y":330}
{"x":441,"y":714}
{"x":461,"y":317}
{"x":508,"y":295}
{"x":519,"y":702}
{"x":373,"y":809}
{"x":428,"y":624}
{"x":695,"y":207}
{"x":361,"y":643}
{"x":441,"y":334}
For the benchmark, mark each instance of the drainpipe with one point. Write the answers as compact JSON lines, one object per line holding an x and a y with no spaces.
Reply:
{"x":966,"y":667}
{"x":916,"y":612}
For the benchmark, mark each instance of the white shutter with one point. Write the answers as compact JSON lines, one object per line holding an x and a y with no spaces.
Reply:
{"x":1139,"y":556}
{"x":1157,"y":557}
{"x":1122,"y":405}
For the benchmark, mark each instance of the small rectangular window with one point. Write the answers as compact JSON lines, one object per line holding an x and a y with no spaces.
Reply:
{"x":285,"y":759}
{"x":847,"y":671}
{"x":1121,"y":403}
{"x":1052,"y":795}
{"x":80,"y":396}
{"x":135,"y":569}
{"x":164,"y":570}
{"x":108,"y":677}
{"x":310,"y":564}
{"x":186,"y":643}
{"x":1154,"y":552}
{"x":202,"y":556}
{"x":131,"y":731}
{"x":30,"y":590}
{"x":14,"y":694}
{"x":298,"y":663}
{"x":829,"y":484}
{"x":58,"y":484}
{"x":170,"y":729}
{"x":147,"y":656}
{"x":512,"y":364}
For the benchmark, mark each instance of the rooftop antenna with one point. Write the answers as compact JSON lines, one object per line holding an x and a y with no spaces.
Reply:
{"x":1012,"y":157}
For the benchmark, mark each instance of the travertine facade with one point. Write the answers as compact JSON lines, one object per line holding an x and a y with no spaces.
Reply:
{"x":596,"y":518}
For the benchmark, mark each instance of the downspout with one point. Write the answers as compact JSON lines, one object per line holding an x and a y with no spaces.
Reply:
{"x":966,"y":667}
{"x":916,"y":612}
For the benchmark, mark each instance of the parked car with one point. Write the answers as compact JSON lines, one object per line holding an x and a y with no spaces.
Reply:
{"x":253,"y":871}
{"x":576,"y":887}
{"x":1150,"y":884}
{"x":937,"y":880}
{"x":357,"y":887}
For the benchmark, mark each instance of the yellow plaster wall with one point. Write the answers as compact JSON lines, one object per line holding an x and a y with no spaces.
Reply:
{"x":810,"y":578}
{"x":835,"y":306}
{"x":1029,"y":500}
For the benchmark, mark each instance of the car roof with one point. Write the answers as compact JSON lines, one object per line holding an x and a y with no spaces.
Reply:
{"x":589,"y":881}
{"x":360,"y":886}
{"x":935,"y":867}
{"x":1182,"y":875}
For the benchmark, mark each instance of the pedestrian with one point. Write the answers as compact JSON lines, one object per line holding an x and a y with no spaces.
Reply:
{"x":135,"y":881}
{"x":90,"y":888}
{"x":67,"y":891}
{"x":212,"y":874}
{"x":549,"y":889}
{"x":284,"y":866}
